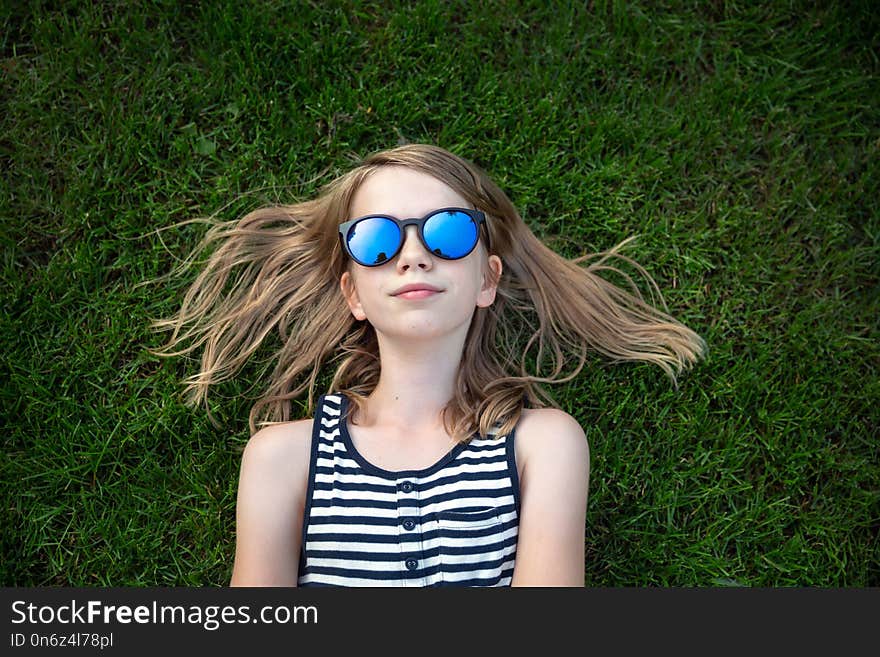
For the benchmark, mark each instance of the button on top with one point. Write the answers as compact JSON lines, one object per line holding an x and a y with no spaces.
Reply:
{"x":412,"y":564}
{"x":407,"y":487}
{"x":409,"y":524}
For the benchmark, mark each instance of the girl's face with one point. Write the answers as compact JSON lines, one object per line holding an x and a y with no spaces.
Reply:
{"x":370,"y":291}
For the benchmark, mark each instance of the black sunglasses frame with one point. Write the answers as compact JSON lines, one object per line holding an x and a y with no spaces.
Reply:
{"x":476,"y":215}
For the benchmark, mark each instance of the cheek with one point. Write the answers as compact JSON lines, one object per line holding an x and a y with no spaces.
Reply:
{"x":466,"y":289}
{"x":475,"y":276}
{"x":369,"y":289}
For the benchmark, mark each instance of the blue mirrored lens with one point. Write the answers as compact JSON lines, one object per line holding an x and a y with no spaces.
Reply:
{"x":373,"y":240}
{"x":450,"y":234}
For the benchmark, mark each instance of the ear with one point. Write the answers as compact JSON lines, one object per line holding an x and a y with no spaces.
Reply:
{"x":349,"y":291}
{"x":490,"y":283}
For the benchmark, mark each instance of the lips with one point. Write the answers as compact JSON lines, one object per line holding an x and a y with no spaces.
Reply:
{"x":412,"y":287}
{"x":417,"y":294}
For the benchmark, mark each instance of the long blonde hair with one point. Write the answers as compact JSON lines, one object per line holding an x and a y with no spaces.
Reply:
{"x":278,"y":269}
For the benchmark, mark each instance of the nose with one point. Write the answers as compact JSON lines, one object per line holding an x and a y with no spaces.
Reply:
{"x":413,"y":252}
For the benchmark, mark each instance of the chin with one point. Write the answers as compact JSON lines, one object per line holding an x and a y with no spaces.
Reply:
{"x":415,"y":331}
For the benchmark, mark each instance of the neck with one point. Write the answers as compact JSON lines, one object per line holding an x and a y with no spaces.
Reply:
{"x":416,"y":382}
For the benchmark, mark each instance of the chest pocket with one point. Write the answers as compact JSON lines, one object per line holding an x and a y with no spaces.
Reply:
{"x":457,"y":521}
{"x":474,"y":548}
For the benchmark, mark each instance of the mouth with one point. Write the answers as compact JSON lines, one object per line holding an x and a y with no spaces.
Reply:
{"x":417,"y":294}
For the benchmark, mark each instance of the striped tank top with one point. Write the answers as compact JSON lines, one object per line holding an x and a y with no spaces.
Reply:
{"x":452,"y":524}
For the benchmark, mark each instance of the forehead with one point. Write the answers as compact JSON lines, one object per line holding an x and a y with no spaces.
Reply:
{"x":402,"y":193}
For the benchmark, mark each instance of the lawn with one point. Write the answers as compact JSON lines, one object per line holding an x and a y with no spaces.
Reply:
{"x":738,"y":141}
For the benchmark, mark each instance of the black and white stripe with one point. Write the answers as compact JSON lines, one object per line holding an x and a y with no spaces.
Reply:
{"x":454,"y":523}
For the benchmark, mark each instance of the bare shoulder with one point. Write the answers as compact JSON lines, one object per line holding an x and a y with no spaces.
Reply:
{"x":272,"y":489}
{"x":552,"y":451}
{"x":275,"y":468}
{"x":552,"y":436}
{"x":280,"y":446}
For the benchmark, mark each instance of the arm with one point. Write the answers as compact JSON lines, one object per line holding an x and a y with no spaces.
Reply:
{"x":553,"y":491}
{"x":269,"y":509}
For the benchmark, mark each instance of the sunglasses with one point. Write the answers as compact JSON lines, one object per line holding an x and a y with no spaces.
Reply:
{"x":448,"y":233}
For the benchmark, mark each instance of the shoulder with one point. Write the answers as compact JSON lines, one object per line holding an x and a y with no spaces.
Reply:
{"x":553,"y":489}
{"x":272,"y":488}
{"x":279,"y":448}
{"x":275,"y":463}
{"x":549,"y":429}
{"x":550,"y":438}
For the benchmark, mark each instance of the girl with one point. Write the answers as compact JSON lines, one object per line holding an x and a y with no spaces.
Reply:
{"x":422,"y":465}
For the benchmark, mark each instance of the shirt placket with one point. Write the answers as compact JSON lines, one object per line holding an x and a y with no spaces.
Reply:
{"x":410,"y":531}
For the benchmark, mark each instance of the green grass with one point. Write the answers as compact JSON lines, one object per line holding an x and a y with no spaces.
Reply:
{"x":739,"y":140}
